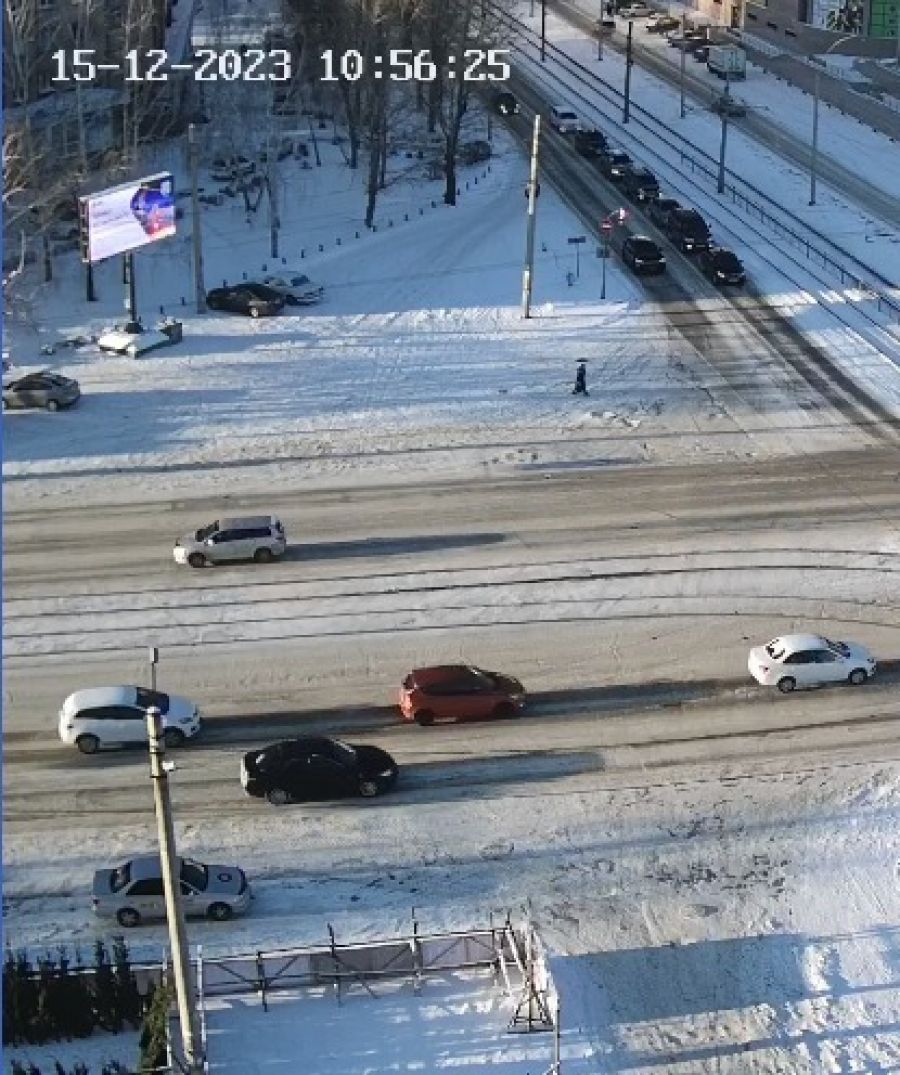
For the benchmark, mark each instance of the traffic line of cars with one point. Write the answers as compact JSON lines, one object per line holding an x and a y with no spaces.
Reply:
{"x":317,"y":768}
{"x":684,"y":226}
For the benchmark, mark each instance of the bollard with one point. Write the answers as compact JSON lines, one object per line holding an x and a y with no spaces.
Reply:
{"x":225,"y":283}
{"x":337,"y":241}
{"x":434,"y":205}
{"x":357,"y":235}
{"x":421,"y":211}
{"x":475,"y":180}
{"x":467,"y":184}
{"x":162,"y":311}
{"x":183,"y":301}
{"x":406,"y":216}
{"x":302,"y":252}
{"x":244,"y":275}
{"x":284,"y":261}
{"x":390,"y":222}
{"x":265,"y":267}
{"x":321,"y":249}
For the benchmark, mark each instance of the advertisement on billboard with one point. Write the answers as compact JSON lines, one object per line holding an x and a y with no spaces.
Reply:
{"x":128,"y":217}
{"x":845,"y":16}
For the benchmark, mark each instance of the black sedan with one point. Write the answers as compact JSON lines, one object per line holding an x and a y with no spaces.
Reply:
{"x":256,"y":300}
{"x":310,"y":769}
{"x":643,"y":255}
{"x":659,"y":209}
{"x":722,"y":266}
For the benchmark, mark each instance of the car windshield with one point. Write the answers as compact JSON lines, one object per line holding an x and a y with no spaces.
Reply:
{"x":120,"y":877}
{"x":343,"y":752}
{"x":646,"y":248}
{"x":206,"y":531}
{"x":727,"y":261}
{"x":146,"y":698}
{"x":195,"y":874}
{"x":299,"y":281}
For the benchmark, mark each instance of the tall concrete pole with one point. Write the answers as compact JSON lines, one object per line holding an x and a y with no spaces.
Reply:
{"x":184,"y":983}
{"x":528,"y":274}
{"x":199,"y":286}
{"x":683,"y":61}
{"x":626,"y":110}
{"x":814,"y":149}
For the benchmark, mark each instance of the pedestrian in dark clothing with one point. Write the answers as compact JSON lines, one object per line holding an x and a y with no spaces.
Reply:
{"x":580,"y":388}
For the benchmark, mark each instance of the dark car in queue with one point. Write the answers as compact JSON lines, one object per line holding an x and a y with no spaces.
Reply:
{"x":659,"y":209}
{"x":459,"y":692}
{"x":688,"y":230}
{"x":255,"y":300}
{"x":640,"y":183}
{"x":660,"y":24}
{"x":643,"y":256}
{"x":722,"y":266}
{"x":589,"y":143}
{"x":315,"y":768}
{"x":613,"y":161}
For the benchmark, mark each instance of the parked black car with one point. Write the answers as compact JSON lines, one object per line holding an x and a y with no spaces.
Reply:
{"x":256,"y":300}
{"x":613,"y":161}
{"x":640,"y":183}
{"x":662,"y":23}
{"x":589,"y":143}
{"x":505,"y":103}
{"x":659,"y":209}
{"x":687,"y":41}
{"x":688,"y":230}
{"x":643,"y":255}
{"x":309,"y":769}
{"x":722,"y":266}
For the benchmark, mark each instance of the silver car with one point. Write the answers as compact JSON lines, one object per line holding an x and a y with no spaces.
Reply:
{"x":46,"y":389}
{"x":133,"y":892}
{"x":297,"y":288}
{"x":259,"y":537}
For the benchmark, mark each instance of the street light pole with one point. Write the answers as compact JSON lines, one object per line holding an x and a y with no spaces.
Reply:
{"x":683,"y":61}
{"x":543,"y":30}
{"x":528,"y":273}
{"x":814,"y":149}
{"x":184,"y":983}
{"x":628,"y":63}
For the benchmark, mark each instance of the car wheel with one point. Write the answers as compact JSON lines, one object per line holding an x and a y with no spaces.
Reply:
{"x":197,"y":559}
{"x":172,"y":738}
{"x":505,"y":711}
{"x":424,"y":717}
{"x":787,"y":684}
{"x":263,"y":556}
{"x":218,"y":912}
{"x":128,"y":917}
{"x":277,"y":796}
{"x":858,"y":676}
{"x":368,"y":788}
{"x":254,"y":311}
{"x":52,"y":405}
{"x":88,"y":744}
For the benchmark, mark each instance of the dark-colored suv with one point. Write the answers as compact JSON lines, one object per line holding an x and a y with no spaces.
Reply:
{"x":589,"y":143}
{"x":688,"y":230}
{"x":643,"y":255}
{"x":659,"y":209}
{"x":613,"y":161}
{"x":722,"y":266}
{"x":640,"y":183}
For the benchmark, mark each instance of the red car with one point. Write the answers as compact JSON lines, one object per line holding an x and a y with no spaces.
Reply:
{"x":459,"y":692}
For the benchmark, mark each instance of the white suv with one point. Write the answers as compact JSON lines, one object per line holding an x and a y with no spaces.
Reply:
{"x":101,"y":716}
{"x":260,"y":538}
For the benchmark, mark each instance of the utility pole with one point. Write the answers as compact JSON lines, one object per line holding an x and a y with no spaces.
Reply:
{"x":683,"y":60}
{"x":814,"y":149}
{"x":153,"y":656}
{"x":543,"y":30}
{"x":628,"y":64}
{"x":600,"y":38}
{"x":199,"y":286}
{"x":184,"y":983}
{"x":528,"y":274}
{"x":723,"y":109}
{"x":273,"y":205}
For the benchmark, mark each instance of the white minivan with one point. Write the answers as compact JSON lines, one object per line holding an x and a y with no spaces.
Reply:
{"x":564,"y":119}
{"x":114,"y":716}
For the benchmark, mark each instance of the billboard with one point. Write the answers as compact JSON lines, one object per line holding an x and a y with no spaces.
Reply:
{"x":126,"y":217}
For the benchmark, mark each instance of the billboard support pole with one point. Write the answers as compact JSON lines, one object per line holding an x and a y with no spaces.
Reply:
{"x":89,"y":282}
{"x":131,"y":295}
{"x":199,"y":287}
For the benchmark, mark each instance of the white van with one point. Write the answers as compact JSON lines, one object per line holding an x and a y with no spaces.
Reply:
{"x":564,"y":119}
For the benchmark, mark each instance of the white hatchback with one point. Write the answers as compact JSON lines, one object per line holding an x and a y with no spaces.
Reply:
{"x":103,"y":716}
{"x":808,"y":661}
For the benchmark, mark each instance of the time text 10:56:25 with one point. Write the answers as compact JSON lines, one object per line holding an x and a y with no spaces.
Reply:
{"x":406,"y":65}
